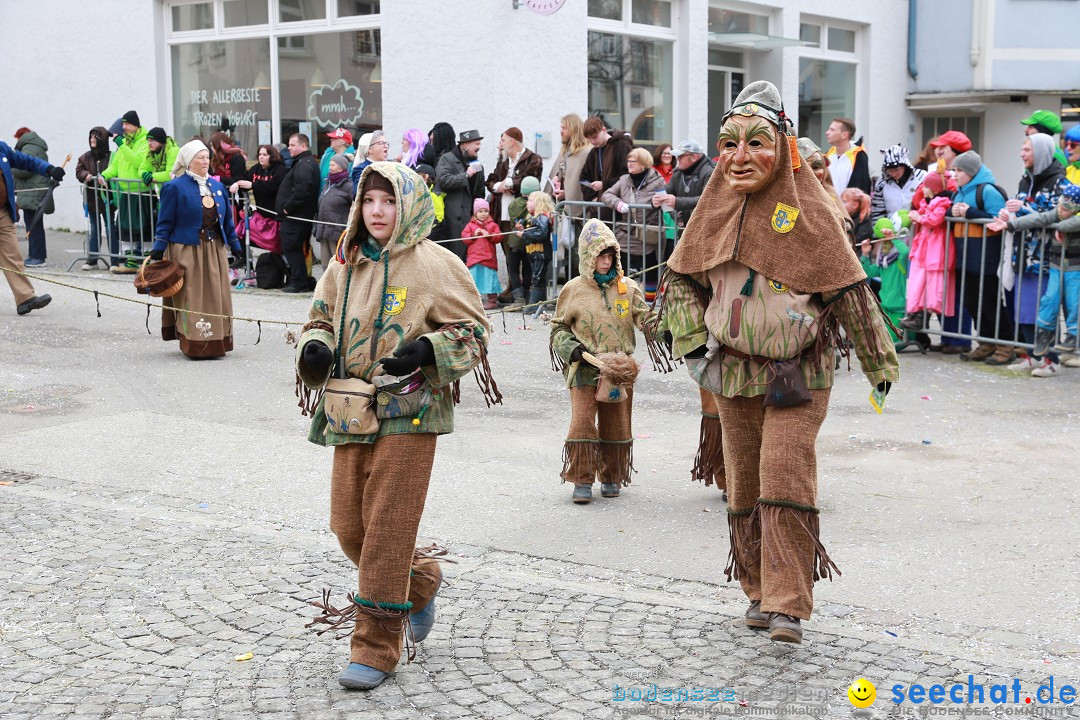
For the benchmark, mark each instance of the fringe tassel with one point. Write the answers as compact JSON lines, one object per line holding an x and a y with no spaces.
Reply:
{"x":486,"y":381}
{"x":658,"y":351}
{"x":309,"y":399}
{"x":455,"y":392}
{"x":709,"y":462}
{"x":617,"y":462}
{"x":338,"y":618}
{"x":772,"y":518}
{"x":557,"y":363}
{"x":433,"y":553}
{"x":580,"y":456}
{"x":744,"y":536}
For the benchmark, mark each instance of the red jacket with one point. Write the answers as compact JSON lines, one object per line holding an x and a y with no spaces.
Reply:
{"x":481,"y":250}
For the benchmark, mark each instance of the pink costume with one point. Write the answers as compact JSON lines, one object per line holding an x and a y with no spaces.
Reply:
{"x":926,"y":274}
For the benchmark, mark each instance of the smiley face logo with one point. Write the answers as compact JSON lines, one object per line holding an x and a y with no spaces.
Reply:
{"x":862,"y":693}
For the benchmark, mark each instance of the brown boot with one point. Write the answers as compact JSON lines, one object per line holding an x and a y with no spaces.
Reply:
{"x":982,"y":352}
{"x":491,"y":302}
{"x":1003,"y":355}
{"x":784,"y":628}
{"x":755,"y":618}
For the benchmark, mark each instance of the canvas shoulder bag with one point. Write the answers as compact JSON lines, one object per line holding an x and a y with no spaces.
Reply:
{"x":349,"y":402}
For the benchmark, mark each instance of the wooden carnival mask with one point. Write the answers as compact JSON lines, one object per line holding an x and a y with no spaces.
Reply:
{"x":747,"y":147}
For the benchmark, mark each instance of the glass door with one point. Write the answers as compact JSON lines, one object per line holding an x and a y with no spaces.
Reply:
{"x":726,"y":80}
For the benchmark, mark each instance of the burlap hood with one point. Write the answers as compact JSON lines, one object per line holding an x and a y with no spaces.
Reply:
{"x":811,"y":254}
{"x":415,"y":215}
{"x":594,"y":239}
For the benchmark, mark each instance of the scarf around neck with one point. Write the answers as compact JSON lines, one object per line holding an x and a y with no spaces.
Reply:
{"x":204,"y":188}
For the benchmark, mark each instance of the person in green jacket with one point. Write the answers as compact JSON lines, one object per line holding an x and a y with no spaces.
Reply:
{"x":134,"y":216}
{"x":30,"y":188}
{"x":890,"y":263}
{"x":156,"y":167}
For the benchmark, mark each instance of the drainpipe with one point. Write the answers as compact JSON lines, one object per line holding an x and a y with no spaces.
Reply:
{"x":912,"y":34}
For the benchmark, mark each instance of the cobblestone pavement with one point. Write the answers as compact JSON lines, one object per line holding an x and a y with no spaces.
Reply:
{"x":124,"y":604}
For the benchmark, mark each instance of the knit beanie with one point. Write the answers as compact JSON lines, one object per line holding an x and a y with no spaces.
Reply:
{"x":132,"y":117}
{"x":480,"y":204}
{"x":157,"y":134}
{"x":514,"y":133}
{"x":529,"y":185}
{"x":934,"y":182}
{"x":969,"y":162}
{"x":375,"y":181}
{"x":341,"y":160}
{"x":894,"y":156}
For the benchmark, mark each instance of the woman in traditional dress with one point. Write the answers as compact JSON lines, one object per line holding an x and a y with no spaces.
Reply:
{"x":194,"y":228}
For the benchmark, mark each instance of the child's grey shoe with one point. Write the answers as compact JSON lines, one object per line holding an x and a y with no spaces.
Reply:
{"x":582,"y":494}
{"x":1067,"y":344}
{"x":609,"y":490}
{"x":361,"y":677}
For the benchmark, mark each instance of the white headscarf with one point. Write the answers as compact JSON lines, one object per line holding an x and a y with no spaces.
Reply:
{"x":183,"y":159}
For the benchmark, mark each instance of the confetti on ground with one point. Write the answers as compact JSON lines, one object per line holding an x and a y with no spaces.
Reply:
{"x":889,"y":632}
{"x":926,"y":442}
{"x":926,"y":397}
{"x":246,"y":656}
{"x":643,"y":436}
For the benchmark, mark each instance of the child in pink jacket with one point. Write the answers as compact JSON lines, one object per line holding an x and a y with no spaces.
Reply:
{"x":481,"y":236}
{"x":926,"y":279}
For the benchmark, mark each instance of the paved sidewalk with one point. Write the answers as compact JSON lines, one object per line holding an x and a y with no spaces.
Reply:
{"x":131,"y":604}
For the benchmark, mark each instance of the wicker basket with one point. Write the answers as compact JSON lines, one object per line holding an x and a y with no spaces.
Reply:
{"x":163,"y":279}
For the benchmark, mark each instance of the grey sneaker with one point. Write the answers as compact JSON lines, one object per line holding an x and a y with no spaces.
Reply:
{"x":1043,"y":340}
{"x":1067,"y":344}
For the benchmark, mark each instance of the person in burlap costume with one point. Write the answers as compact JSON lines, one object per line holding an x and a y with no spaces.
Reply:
{"x":596,"y":313}
{"x":394,"y":303}
{"x":763,"y":275}
{"x":709,"y":461}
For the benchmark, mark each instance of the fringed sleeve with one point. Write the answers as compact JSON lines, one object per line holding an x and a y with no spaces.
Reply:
{"x":647,"y":320}
{"x":320,"y":328}
{"x":682,"y":301}
{"x":858,"y":310}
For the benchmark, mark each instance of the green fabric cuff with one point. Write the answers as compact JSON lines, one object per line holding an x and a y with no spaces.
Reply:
{"x":688,"y":343}
{"x":310,"y":379}
{"x":788,"y":504}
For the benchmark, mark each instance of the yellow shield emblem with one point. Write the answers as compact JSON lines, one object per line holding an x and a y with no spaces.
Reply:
{"x":622,"y":308}
{"x":778,"y":287}
{"x":784,"y":217}
{"x":394,"y":300}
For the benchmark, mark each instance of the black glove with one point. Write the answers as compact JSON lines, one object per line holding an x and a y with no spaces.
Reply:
{"x":884,"y":386}
{"x":317,"y":357}
{"x":236,"y":260}
{"x":409,"y":357}
{"x":56,"y":173}
{"x":575,"y":355}
{"x":156,"y":255}
{"x":697,"y":353}
{"x":148,"y":177}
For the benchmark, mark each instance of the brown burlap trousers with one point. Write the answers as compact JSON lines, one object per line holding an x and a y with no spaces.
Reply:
{"x":771,"y":468}
{"x":600,"y":441}
{"x":377,"y":495}
{"x":709,"y":462}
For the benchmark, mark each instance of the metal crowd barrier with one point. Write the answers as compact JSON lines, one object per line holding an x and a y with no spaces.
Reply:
{"x":570,"y":215}
{"x":1023,"y":256}
{"x":122,"y":221}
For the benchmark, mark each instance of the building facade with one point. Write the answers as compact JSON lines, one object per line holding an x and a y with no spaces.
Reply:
{"x":982,"y":66}
{"x":665,"y":70}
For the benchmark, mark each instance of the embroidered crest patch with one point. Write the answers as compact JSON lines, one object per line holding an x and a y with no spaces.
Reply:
{"x":394,"y":300}
{"x":622,"y":308}
{"x":778,"y":287}
{"x":784,"y":217}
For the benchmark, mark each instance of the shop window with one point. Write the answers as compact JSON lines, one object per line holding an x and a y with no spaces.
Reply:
{"x":970,"y":125}
{"x":606,"y":9}
{"x":336,"y":84}
{"x":722,"y":20}
{"x":206,"y":99}
{"x":195,"y":16}
{"x":630,"y":85}
{"x":239,"y":13}
{"x":350,"y":8}
{"x":651,"y":12}
{"x":808,"y":32}
{"x":828,"y":76}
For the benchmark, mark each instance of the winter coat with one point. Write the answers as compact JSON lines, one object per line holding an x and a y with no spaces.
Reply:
{"x":334,"y":204}
{"x":976,"y":257}
{"x":890,"y":196}
{"x":687,"y":188}
{"x":568,"y":169}
{"x":606,"y":164}
{"x":126,"y":161}
{"x":1070,"y":228}
{"x":413,"y":289}
{"x":10,"y":161}
{"x":529,"y":164}
{"x":627,"y":191}
{"x":481,"y":250}
{"x":160,"y":163}
{"x":265,"y":183}
{"x":1039,"y":193}
{"x":324,"y":164}
{"x":600,"y":318}
{"x":89,"y":166}
{"x":458,"y":189}
{"x":298,"y":195}
{"x":862,"y":229}
{"x":893,"y":274}
{"x":31,"y":185}
{"x":234,"y":169}
{"x":931,"y":235}
{"x":537,"y":235}
{"x":180,"y":213}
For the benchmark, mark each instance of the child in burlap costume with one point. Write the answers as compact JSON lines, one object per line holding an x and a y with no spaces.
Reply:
{"x":597,"y":313}
{"x":764,"y":273}
{"x":403,"y":304}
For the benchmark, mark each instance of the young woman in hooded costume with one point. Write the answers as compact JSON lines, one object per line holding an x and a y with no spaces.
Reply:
{"x":753,"y":296}
{"x":391,"y":303}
